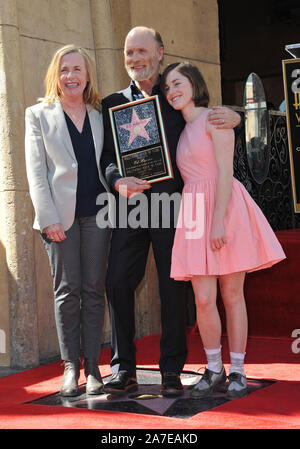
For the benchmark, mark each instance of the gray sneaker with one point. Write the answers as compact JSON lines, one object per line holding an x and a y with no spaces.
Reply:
{"x":237,"y":387}
{"x":208,"y":382}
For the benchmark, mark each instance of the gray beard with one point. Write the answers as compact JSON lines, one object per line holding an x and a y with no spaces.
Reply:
{"x":142,"y":76}
{"x":145,"y":74}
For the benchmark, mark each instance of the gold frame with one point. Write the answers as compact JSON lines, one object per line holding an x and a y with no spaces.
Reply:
{"x":161,"y":148}
{"x":290,"y":139}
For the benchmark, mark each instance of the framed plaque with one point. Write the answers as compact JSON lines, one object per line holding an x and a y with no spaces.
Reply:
{"x":140,"y":140}
{"x":291,"y":76}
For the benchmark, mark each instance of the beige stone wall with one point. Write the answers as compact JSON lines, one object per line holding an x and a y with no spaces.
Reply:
{"x":30,"y":32}
{"x":4,"y":311}
{"x":15,"y":219}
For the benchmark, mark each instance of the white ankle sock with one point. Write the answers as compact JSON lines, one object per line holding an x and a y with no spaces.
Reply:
{"x":214,"y":359}
{"x":237,"y":362}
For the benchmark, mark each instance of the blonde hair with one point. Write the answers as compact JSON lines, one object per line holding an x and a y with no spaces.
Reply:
{"x":90,"y":94}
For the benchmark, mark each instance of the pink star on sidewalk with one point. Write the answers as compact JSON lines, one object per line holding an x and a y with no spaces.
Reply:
{"x":136,"y":127}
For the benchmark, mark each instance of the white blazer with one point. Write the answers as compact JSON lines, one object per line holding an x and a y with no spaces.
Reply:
{"x":51,"y":163}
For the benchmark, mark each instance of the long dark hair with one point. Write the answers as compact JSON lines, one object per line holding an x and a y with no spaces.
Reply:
{"x":200,"y":91}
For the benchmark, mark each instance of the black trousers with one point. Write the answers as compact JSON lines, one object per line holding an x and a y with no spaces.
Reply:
{"x":126,"y":268}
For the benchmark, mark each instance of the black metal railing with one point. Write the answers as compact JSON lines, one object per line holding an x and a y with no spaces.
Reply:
{"x":274,"y":194}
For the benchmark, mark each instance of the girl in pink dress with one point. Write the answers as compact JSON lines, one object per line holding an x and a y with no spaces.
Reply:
{"x":221,"y":232}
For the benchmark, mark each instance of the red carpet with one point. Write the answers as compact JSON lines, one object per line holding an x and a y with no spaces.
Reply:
{"x":273,"y":307}
{"x":273,"y":294}
{"x":274,"y":407}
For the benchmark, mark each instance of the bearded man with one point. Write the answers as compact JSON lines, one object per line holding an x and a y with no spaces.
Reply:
{"x":143,"y":53}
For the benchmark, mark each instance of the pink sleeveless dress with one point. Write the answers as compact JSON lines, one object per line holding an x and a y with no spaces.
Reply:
{"x":252,"y":244}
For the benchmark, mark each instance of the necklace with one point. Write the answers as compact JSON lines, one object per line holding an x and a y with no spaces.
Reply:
{"x":75,"y":112}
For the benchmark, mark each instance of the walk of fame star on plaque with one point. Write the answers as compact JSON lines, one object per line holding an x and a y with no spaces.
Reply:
{"x":136,"y":127}
{"x":140,"y":141}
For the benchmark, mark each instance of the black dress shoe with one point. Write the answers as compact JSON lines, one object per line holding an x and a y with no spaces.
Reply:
{"x":94,"y":384}
{"x":208,"y":383}
{"x":120,"y":383}
{"x":171,"y":385}
{"x":237,"y":387}
{"x":70,"y":380}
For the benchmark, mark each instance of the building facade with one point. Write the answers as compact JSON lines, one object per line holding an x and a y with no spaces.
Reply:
{"x":30,"y":32}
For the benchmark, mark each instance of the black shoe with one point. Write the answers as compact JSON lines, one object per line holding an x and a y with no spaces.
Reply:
{"x":208,"y":382}
{"x":94,"y":384}
{"x":237,"y":387}
{"x":70,"y":379}
{"x":171,"y":385}
{"x":120,"y":383}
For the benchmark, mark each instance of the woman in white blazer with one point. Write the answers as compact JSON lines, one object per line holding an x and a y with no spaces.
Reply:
{"x":63,"y":145}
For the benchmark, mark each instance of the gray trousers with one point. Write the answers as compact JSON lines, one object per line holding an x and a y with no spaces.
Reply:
{"x":78,"y":265}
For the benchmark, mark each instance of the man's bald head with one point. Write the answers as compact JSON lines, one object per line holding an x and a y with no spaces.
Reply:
{"x":142,"y":30}
{"x":143,"y":52}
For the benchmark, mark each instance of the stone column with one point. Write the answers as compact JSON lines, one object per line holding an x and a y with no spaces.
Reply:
{"x":18,"y":306}
{"x":111,"y":21}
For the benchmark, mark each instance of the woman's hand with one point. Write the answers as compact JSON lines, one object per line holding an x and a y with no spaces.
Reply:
{"x":217,"y":235}
{"x":55,"y":232}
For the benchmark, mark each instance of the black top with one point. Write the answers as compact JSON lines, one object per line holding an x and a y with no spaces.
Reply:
{"x":88,"y":183}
